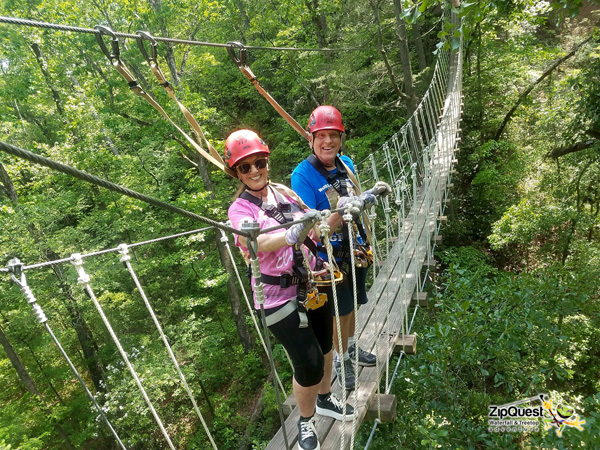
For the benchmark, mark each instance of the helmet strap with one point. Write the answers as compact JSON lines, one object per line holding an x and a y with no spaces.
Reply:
{"x":259,"y":189}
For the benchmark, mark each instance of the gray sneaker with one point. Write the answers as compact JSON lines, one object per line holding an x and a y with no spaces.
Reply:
{"x":365,"y":359}
{"x":307,"y":435}
{"x":348,"y":371}
{"x":333,"y":407}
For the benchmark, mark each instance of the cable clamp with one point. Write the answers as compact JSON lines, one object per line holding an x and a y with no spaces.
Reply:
{"x":124,"y":252}
{"x":77,"y":261}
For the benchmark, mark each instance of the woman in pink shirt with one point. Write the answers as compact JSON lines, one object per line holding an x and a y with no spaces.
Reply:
{"x":306,"y":334}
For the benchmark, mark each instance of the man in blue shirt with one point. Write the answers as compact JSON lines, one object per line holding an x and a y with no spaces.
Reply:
{"x":323,"y":182}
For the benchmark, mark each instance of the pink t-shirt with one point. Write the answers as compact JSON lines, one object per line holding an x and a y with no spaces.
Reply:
{"x":275,"y":263}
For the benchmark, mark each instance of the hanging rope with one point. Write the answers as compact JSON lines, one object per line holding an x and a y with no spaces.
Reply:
{"x":126,"y":258}
{"x":349,"y":219}
{"x":15,"y":268}
{"x":241,"y":62}
{"x":152,"y":60}
{"x":253,"y":229}
{"x":325,"y":228}
{"x":114,"y":56}
{"x":84,"y":280}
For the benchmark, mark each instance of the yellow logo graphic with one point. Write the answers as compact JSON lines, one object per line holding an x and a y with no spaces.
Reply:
{"x":561,"y":417}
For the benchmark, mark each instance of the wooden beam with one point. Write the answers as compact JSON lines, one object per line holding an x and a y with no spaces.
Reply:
{"x":419,"y":298}
{"x":407,"y":344}
{"x":387,"y":403}
{"x":289,"y":404}
{"x":430,"y":264}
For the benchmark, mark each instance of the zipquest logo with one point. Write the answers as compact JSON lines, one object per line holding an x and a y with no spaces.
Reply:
{"x":511,"y":418}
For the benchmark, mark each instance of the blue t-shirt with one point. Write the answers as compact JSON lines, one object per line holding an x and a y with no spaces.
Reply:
{"x":312,"y":187}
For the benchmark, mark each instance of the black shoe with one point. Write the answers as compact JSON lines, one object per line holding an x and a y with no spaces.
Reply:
{"x":350,"y":380}
{"x":365,"y":359}
{"x":332,"y":407}
{"x":307,"y":435}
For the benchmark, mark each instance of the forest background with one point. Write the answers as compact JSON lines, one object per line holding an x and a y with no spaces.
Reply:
{"x":516,"y":308}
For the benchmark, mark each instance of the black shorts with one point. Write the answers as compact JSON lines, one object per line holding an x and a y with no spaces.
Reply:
{"x":345,"y":293}
{"x":306,"y":346}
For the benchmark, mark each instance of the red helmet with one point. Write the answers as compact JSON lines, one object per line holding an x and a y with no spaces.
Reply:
{"x":242,"y":143}
{"x":325,"y":118}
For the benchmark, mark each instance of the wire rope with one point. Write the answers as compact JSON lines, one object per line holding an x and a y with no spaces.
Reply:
{"x":38,"y":159}
{"x":84,"y":280}
{"x":73,"y":29}
{"x":16,"y":267}
{"x":126,"y":258}
{"x":252,"y":311}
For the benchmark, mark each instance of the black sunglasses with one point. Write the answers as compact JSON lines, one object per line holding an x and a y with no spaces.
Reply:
{"x":259,"y":164}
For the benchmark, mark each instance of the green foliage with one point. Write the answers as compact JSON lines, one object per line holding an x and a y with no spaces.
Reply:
{"x":492,"y":338}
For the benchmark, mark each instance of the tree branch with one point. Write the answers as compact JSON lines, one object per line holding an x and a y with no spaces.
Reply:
{"x":535,"y":83}
{"x":577,"y":147}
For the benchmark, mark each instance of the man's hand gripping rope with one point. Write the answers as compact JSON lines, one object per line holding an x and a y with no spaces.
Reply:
{"x":369,"y":197}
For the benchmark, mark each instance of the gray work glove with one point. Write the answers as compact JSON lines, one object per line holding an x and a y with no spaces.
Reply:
{"x":355,"y":203}
{"x":297,"y":233}
{"x":368,"y":199}
{"x":380,"y":188}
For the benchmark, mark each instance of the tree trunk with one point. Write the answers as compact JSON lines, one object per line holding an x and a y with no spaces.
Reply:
{"x":386,"y":62}
{"x":409,"y":89}
{"x":320,"y":23}
{"x":6,"y":186}
{"x":49,"y":81}
{"x":30,"y":384}
{"x":418,"y":40}
{"x":232,"y":291}
{"x":170,"y":53}
{"x":479,"y":90}
{"x":84,"y":334}
{"x":107,"y":139}
{"x":527,"y":91}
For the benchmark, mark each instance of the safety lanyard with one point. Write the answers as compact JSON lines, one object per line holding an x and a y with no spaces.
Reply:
{"x":240,"y":61}
{"x":114,"y":56}
{"x":339,"y":180}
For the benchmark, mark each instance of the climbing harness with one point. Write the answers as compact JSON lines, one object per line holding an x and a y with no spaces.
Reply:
{"x":340,"y":186}
{"x":114,"y":56}
{"x":307,"y":296}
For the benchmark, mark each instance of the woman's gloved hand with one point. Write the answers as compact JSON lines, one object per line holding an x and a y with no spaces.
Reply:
{"x":297,"y":233}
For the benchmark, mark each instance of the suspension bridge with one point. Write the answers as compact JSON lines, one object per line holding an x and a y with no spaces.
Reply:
{"x":418,"y":162}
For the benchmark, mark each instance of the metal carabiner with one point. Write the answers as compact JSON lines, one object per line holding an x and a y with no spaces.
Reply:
{"x":153,"y":44}
{"x":241,"y":60}
{"x":116,"y":52}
